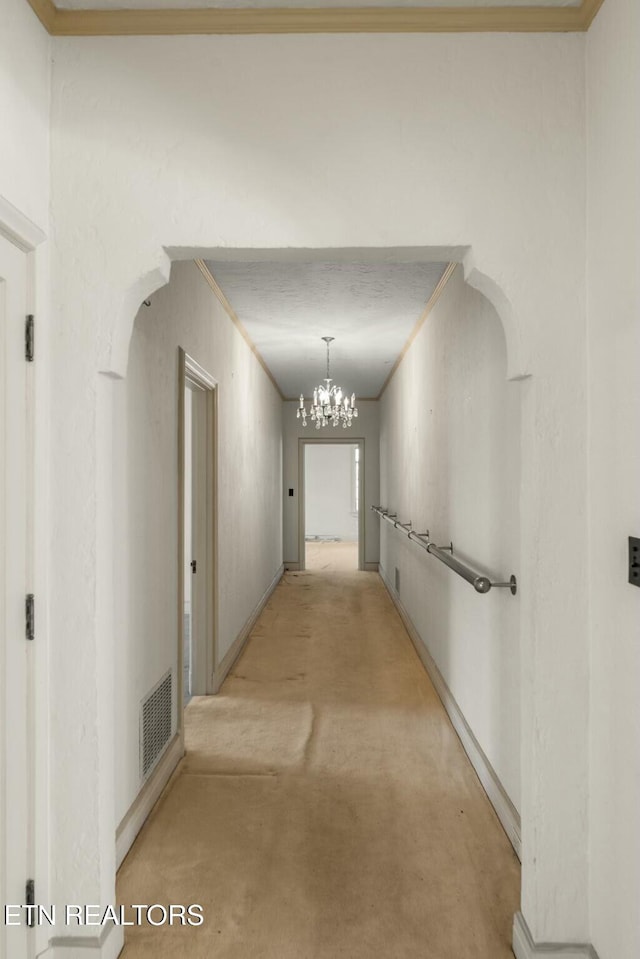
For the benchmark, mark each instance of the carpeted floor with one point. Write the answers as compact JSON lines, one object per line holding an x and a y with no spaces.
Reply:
{"x":331,"y":556}
{"x":325,"y":807}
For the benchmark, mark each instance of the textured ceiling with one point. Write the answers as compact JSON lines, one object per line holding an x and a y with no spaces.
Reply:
{"x":287,"y":305}
{"x":192,"y":4}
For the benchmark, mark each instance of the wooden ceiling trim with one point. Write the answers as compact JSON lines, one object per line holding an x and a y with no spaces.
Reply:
{"x":589,"y":11}
{"x":433,"y":299}
{"x":46,"y":12}
{"x":233,"y":316}
{"x":283,"y":20}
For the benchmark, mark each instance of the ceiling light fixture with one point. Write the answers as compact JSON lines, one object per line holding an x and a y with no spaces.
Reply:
{"x":330,"y":405}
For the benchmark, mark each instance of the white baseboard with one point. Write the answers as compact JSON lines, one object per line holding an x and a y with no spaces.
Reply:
{"x":294,"y":567}
{"x":505,"y":810}
{"x":108,"y":945}
{"x":525,"y":948}
{"x":146,"y":799}
{"x":238,"y":644}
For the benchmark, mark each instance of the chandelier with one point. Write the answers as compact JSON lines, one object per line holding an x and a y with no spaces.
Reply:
{"x":330,"y":405}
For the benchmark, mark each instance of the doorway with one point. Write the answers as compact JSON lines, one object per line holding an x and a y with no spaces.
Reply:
{"x":16,"y":602}
{"x":331,"y":516}
{"x":198,"y":567}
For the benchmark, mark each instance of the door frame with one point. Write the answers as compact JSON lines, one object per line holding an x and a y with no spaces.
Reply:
{"x":20,"y":232}
{"x":303,"y":442}
{"x":191,"y":371}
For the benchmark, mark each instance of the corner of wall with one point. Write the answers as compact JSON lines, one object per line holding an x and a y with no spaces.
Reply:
{"x":525,"y":948}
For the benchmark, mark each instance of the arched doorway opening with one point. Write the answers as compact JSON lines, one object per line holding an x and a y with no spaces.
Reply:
{"x":116,"y":350}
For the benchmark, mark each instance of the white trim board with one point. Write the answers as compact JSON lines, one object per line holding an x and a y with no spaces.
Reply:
{"x":197,"y":373}
{"x":24,"y":235}
{"x":19,"y":229}
{"x":108,"y":945}
{"x":238,"y":645}
{"x":525,"y":948}
{"x":146,"y":799}
{"x":505,"y":810}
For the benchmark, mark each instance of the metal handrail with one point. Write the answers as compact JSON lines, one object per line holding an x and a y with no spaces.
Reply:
{"x":481,"y":584}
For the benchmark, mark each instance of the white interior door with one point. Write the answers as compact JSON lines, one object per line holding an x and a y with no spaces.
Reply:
{"x":187,"y":556}
{"x":197,"y":560}
{"x":199,"y":520}
{"x":198,"y":504}
{"x":16,"y":941}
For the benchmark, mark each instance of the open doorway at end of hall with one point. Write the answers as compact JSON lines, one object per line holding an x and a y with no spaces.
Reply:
{"x":331,"y":504}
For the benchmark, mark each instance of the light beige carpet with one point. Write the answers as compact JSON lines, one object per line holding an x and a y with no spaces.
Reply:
{"x":325,"y":807}
{"x":331,"y":556}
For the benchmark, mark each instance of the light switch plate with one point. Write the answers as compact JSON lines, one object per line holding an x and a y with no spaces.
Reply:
{"x":634,"y":560}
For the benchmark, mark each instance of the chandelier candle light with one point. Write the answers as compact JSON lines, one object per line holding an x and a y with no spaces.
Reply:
{"x":330,"y":405}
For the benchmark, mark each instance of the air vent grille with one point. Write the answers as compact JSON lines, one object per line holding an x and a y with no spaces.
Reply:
{"x":155,"y":724}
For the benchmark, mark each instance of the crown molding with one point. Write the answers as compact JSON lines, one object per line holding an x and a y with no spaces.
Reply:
{"x":47,"y":14}
{"x":251,"y":20}
{"x":589,"y":10}
{"x":233,"y":316}
{"x":433,"y":299}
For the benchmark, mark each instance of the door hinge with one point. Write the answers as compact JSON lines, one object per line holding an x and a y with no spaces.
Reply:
{"x":194,"y":566}
{"x":29,"y":339}
{"x":30,"y":616}
{"x":30,"y":900}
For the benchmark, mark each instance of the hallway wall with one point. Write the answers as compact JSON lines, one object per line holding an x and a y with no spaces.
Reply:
{"x":25,"y":90}
{"x":185,"y":313}
{"x":166,"y":145}
{"x":366,"y":426}
{"x":613,"y":197}
{"x":450,"y":455}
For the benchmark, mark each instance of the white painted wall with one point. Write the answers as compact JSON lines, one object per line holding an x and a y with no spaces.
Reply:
{"x":613,"y":161}
{"x":489,"y":165}
{"x":328,"y":492}
{"x":450,"y":463}
{"x":25,"y":70}
{"x":145,"y":423}
{"x":366,"y":427}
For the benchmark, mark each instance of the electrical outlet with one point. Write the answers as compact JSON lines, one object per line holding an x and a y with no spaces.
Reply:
{"x":634,"y":561}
